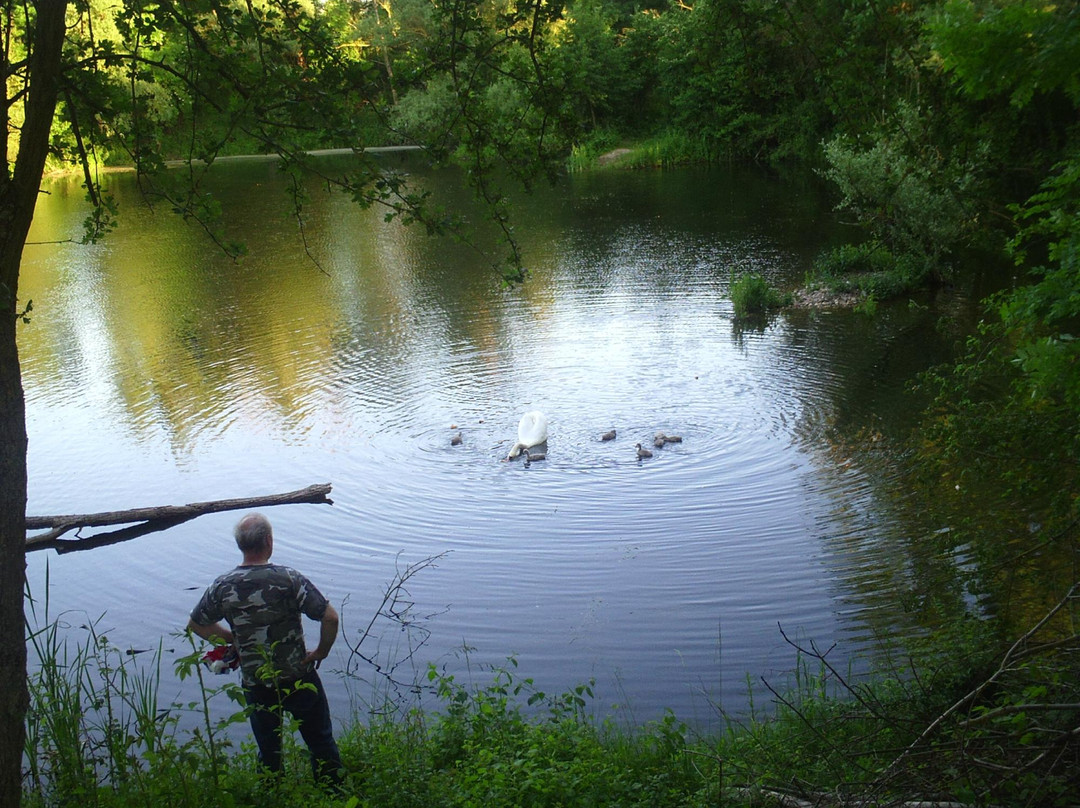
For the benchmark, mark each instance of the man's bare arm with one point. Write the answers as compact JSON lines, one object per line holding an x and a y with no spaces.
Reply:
{"x":328,"y":629}
{"x":212,"y":631}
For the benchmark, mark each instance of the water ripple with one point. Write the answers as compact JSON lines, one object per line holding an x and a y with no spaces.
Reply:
{"x":189,"y":379}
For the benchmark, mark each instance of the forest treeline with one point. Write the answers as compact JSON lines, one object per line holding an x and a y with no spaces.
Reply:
{"x":948,"y":128}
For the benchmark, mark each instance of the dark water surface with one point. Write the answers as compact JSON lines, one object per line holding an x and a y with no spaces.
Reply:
{"x":159,"y":372}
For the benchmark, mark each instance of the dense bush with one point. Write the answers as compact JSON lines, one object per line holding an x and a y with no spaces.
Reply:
{"x":870,"y":269}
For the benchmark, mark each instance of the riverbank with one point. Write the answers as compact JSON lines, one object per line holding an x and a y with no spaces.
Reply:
{"x":957,"y":727}
{"x":236,"y":158}
{"x":311,"y":153}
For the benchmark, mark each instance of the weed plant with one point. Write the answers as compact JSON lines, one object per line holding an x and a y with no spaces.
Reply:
{"x":869,"y":269}
{"x":752,"y":295}
{"x":960,"y":719}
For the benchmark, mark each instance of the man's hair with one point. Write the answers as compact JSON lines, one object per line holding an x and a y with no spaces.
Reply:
{"x":253,"y":533}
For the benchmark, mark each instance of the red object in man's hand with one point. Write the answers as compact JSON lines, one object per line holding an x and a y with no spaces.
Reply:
{"x":221,"y":659}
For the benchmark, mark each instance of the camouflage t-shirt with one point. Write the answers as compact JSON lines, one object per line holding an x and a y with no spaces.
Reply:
{"x":262,"y":605}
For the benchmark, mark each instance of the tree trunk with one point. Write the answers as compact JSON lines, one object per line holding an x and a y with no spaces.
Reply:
{"x":18,"y":195}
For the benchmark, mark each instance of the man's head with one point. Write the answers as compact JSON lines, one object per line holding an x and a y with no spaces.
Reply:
{"x":254,"y":536}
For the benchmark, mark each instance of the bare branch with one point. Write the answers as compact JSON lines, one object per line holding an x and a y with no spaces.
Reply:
{"x":397,"y":608}
{"x":155,"y":518}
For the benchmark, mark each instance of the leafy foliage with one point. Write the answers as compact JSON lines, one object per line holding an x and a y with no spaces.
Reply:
{"x":1006,"y":415}
{"x":1042,"y":316}
{"x":1013,"y":49}
{"x":751,"y":294}
{"x":900,"y":188}
{"x":870,"y":269}
{"x":1006,"y":419}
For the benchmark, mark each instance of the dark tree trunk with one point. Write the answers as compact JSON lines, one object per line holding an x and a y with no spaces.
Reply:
{"x":13,"y":697}
{"x":18,"y":195}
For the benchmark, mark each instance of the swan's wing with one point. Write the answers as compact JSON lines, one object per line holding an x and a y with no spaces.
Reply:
{"x":532,"y":429}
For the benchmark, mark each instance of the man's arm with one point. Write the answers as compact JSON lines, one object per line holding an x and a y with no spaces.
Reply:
{"x":328,"y":629}
{"x":212,"y":631}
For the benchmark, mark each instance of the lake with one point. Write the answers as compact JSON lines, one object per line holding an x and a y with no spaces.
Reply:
{"x":159,"y":372}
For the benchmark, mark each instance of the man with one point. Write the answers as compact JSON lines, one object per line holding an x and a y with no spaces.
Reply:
{"x":262,"y":603}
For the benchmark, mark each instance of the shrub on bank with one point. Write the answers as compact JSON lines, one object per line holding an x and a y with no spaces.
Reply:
{"x":870,"y":270}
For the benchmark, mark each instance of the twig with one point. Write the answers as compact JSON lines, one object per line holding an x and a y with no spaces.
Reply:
{"x":1015,"y":650}
{"x":396,"y":606}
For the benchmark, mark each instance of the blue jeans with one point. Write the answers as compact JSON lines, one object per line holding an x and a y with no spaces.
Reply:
{"x":306,"y":705}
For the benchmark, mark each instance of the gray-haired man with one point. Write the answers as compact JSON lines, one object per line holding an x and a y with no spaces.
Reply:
{"x":262,"y":604}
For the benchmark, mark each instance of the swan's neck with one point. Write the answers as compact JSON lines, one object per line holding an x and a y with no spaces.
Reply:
{"x":516,"y":449}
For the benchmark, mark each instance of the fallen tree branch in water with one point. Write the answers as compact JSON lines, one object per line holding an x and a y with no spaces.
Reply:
{"x":153,"y":519}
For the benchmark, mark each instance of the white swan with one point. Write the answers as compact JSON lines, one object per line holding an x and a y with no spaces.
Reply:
{"x":532,"y":430}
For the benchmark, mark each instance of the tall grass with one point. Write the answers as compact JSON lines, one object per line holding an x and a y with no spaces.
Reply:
{"x":664,"y":150}
{"x":968,"y":720}
{"x":672,"y":148}
{"x":96,"y":719}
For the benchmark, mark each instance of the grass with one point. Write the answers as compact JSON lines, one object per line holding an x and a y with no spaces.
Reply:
{"x":960,"y":717}
{"x":869,"y":269}
{"x":96,"y":721}
{"x":752,"y":295}
{"x":663,"y":150}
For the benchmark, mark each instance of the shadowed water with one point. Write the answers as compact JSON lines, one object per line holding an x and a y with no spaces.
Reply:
{"x":159,"y":372}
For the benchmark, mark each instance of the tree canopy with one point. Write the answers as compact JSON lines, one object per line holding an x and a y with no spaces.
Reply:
{"x":944,"y":125}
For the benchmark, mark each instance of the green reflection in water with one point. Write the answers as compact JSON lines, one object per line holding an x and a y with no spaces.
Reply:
{"x":157,"y":324}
